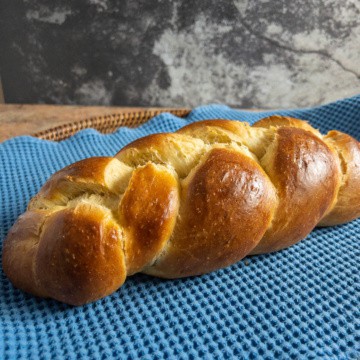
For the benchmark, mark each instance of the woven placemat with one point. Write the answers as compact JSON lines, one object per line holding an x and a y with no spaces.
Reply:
{"x":105,"y":123}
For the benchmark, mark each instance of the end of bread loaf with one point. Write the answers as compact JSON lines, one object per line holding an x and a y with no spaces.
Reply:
{"x":347,"y":205}
{"x":68,"y":246}
{"x":20,"y":250}
{"x":73,"y":255}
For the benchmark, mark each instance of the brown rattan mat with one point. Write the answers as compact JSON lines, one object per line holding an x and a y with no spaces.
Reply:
{"x":105,"y":123}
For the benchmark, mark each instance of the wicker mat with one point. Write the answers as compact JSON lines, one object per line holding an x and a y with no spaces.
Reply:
{"x":105,"y":123}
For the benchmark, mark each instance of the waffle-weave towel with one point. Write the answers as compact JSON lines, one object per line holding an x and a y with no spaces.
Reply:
{"x":300,"y":303}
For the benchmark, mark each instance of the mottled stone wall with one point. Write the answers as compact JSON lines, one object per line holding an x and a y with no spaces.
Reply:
{"x":246,"y":53}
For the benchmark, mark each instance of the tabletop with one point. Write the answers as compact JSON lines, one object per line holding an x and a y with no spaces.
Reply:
{"x":19,"y":119}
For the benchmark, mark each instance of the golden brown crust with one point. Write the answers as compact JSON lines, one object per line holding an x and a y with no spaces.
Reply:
{"x":217,"y":131}
{"x":182,"y":204}
{"x":347,"y":207}
{"x":19,"y":251}
{"x":148,"y":213}
{"x":227,"y":205}
{"x":81,"y":251}
{"x":234,"y":127}
{"x":307,"y":177}
{"x":285,"y":121}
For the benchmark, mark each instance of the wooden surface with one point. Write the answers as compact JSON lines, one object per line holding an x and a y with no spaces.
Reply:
{"x":18,"y":120}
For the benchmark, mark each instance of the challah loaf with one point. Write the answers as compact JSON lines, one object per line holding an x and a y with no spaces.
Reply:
{"x":182,"y":204}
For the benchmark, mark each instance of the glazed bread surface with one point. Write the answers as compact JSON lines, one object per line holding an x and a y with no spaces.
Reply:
{"x":182,"y":204}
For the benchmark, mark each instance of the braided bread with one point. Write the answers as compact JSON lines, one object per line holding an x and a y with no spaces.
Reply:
{"x":182,"y":204}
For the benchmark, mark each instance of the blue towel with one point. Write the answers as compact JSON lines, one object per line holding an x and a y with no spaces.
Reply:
{"x":300,"y":303}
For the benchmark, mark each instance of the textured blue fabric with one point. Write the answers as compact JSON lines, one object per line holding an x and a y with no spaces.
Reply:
{"x":301,"y":303}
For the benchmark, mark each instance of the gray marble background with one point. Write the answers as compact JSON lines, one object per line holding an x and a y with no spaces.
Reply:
{"x":245,"y":53}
